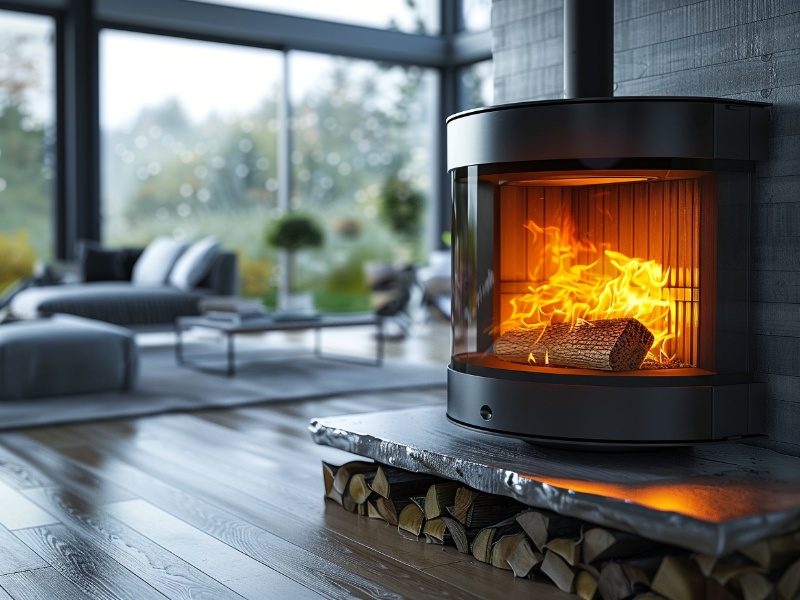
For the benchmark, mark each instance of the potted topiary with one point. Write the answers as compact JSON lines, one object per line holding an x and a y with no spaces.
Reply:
{"x":292,"y":232}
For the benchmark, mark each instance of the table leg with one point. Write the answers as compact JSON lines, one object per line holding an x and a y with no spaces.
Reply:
{"x":178,"y":345}
{"x":380,"y":349}
{"x":317,"y":342}
{"x":231,"y":356}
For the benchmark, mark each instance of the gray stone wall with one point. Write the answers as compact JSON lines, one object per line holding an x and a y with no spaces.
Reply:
{"x":748,"y":49}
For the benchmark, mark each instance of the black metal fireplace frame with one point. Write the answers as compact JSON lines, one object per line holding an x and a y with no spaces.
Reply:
{"x":718,"y":135}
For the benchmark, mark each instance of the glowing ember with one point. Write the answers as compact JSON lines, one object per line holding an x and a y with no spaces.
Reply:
{"x":581,"y":290}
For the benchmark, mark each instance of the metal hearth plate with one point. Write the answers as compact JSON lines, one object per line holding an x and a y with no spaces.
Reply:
{"x":712,"y":499}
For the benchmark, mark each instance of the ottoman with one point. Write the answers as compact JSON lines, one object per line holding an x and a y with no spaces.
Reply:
{"x":65,"y":355}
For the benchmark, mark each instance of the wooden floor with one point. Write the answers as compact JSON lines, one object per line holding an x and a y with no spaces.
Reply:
{"x":214,"y":504}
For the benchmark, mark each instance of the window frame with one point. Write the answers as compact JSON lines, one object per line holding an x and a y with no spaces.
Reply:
{"x":79,"y":22}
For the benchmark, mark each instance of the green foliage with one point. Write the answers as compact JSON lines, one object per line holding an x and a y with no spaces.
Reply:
{"x":336,"y":302}
{"x":348,"y":278}
{"x":25,"y":193}
{"x":295,"y":231}
{"x":254,"y":276}
{"x":402,"y":207}
{"x":19,"y":258}
{"x":26,"y":167}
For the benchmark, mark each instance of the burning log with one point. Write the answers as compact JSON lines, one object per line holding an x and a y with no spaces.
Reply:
{"x":608,"y":345}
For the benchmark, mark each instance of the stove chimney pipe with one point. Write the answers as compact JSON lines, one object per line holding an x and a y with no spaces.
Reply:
{"x":588,"y":48}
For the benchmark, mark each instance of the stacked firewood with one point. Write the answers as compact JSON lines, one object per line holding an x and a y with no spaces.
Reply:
{"x":576,"y":556}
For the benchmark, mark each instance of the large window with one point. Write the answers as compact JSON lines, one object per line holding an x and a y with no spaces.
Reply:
{"x":189,"y":144}
{"x":27,"y":119}
{"x":410,"y":16}
{"x":476,"y":85}
{"x":193,"y":134}
{"x":476,"y":15}
{"x":362,"y":161}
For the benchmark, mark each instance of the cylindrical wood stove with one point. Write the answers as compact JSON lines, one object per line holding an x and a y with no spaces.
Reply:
{"x":601,"y":270}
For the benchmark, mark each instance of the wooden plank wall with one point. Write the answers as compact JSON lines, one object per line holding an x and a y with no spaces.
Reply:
{"x":748,"y":49}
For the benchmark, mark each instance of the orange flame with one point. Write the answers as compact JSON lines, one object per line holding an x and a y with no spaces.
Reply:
{"x":579,"y":290}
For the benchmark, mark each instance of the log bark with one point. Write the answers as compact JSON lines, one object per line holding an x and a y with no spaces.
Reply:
{"x":523,"y":559}
{"x":569,"y":550}
{"x":438,"y":497}
{"x":585,"y":585}
{"x":542,"y":526}
{"x":502,"y":549}
{"x":435,"y":532}
{"x":789,"y":583}
{"x":481,"y":547}
{"x":756,"y":587}
{"x":462,"y":503}
{"x":343,"y":474}
{"x":776,"y":552}
{"x":394,"y":483}
{"x":411,"y":519}
{"x":559,"y":572}
{"x":618,"y":581}
{"x":485,"y":510}
{"x":608,"y":345}
{"x":358,"y":488}
{"x":678,"y":577}
{"x":601,"y":544}
{"x":459,"y":534}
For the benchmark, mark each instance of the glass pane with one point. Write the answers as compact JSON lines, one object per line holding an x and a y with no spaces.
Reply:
{"x":476,"y":15}
{"x":27,"y":143}
{"x":476,"y":83}
{"x":362,"y":161}
{"x":410,"y":16}
{"x":189,"y":144}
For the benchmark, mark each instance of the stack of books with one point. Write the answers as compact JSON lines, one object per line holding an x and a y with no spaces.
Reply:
{"x":233,"y":310}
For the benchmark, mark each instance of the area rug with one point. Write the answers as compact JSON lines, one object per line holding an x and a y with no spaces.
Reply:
{"x":164,"y":387}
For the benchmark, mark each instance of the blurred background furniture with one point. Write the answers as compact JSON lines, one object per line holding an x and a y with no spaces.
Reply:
{"x":65,"y":355}
{"x":108,"y":292}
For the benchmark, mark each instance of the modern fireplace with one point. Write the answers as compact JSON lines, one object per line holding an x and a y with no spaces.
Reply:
{"x":600,"y":266}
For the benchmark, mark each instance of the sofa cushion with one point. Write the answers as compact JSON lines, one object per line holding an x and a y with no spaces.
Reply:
{"x":157,"y":260}
{"x":65,"y":355}
{"x":106,"y":264}
{"x":194,"y":263}
{"x":114,"y":302}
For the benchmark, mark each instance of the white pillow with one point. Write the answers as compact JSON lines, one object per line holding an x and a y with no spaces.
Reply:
{"x":194,"y":264}
{"x":157,"y":260}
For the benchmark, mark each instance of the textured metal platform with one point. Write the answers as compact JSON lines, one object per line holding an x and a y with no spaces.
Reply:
{"x":711,"y":499}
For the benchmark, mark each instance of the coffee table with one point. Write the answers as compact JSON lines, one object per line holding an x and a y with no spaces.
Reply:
{"x":269,"y":323}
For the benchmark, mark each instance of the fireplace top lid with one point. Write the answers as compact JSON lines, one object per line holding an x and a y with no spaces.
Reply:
{"x":611,"y":130}
{"x":605,"y":100}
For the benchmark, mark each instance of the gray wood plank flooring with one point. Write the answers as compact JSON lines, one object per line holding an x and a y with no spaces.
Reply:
{"x":213,"y":504}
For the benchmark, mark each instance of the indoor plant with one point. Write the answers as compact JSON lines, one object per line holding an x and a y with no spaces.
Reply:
{"x":292,"y":232}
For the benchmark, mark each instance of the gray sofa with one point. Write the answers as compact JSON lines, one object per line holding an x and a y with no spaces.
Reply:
{"x":122,"y":303}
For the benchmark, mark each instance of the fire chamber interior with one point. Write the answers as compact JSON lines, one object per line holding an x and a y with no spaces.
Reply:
{"x":552,"y":267}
